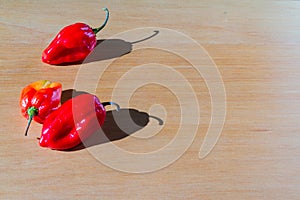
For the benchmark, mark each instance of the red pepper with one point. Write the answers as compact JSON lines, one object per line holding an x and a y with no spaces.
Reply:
{"x":39,"y":99}
{"x":74,"y":121}
{"x":73,"y":43}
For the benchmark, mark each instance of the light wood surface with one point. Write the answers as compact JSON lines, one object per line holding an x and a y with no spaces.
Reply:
{"x":256,"y":48}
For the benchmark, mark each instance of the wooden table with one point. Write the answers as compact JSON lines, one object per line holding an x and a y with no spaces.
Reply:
{"x":255,"y":48}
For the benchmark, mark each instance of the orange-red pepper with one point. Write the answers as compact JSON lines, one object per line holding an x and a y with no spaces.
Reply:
{"x":72,"y":122}
{"x":72,"y":44}
{"x":39,"y":99}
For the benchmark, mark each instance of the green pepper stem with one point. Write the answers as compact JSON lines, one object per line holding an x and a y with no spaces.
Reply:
{"x":32,"y":111}
{"x":96,"y":30}
{"x":111,"y":104}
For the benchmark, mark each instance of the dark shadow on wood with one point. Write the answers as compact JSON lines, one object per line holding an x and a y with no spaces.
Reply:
{"x":108,"y":49}
{"x":113,"y":48}
{"x":69,"y":94}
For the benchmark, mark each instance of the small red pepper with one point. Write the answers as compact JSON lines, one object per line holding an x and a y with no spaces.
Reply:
{"x":73,"y":43}
{"x":72,"y":122}
{"x":39,"y":99}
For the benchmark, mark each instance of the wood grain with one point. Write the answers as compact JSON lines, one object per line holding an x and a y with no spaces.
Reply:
{"x":255,"y":46}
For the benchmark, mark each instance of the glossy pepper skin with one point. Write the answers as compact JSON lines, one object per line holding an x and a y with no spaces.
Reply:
{"x":72,"y":44}
{"x":72,"y":122}
{"x":39,"y":99}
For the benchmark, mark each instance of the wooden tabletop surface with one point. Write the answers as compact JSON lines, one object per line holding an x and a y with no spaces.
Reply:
{"x":212,"y":88}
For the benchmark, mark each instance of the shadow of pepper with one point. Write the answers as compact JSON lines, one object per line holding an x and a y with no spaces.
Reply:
{"x":112,"y":48}
{"x":69,"y":94}
{"x":108,"y":49}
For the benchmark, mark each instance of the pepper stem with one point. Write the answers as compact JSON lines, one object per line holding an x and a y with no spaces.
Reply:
{"x":111,"y":104}
{"x":32,"y":111}
{"x":96,"y":30}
